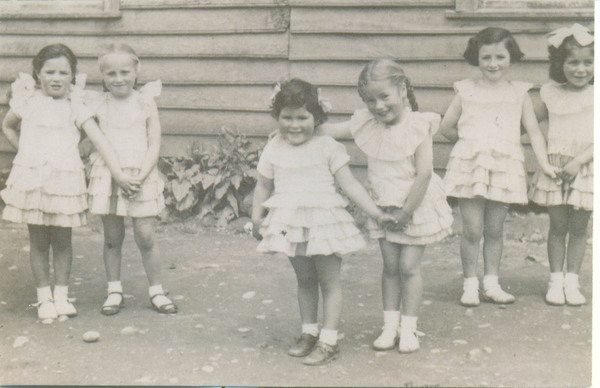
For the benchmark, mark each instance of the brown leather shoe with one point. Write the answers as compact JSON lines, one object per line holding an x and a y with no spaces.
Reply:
{"x":304,"y":346}
{"x":322,"y":354}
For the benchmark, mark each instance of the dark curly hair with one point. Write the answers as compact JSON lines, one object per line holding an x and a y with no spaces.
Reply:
{"x":390,"y":70}
{"x":558,"y":56}
{"x":50,"y":52}
{"x":492,"y":35}
{"x":297,"y":93}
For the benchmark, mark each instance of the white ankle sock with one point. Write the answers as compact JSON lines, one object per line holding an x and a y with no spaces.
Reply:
{"x":490,"y":281}
{"x":471,"y":282}
{"x":557,"y":277}
{"x":61,"y":292}
{"x":408,"y":323}
{"x":155,"y":290}
{"x":310,"y":328}
{"x":571,"y":278}
{"x":115,"y":287}
{"x":44,"y":294}
{"x":391,"y":319}
{"x":328,"y":336}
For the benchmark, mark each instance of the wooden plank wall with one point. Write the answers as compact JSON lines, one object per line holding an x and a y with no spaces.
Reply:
{"x":219,"y":58}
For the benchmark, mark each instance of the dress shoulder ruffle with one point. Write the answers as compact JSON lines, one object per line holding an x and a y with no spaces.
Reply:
{"x":22,"y":90}
{"x":562,"y":101}
{"x":313,"y":152}
{"x":470,"y":88}
{"x":392,"y":143}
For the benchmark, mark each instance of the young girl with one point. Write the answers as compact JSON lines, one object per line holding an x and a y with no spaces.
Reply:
{"x":486,"y":168}
{"x":307,"y":220}
{"x":569,"y":108}
{"x":46,"y":187}
{"x":129,"y":119}
{"x":398,"y":144}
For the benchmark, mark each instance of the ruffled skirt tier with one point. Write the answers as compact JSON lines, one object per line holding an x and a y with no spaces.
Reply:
{"x":431,"y":220}
{"x":106,"y":197}
{"x":495,"y":173}
{"x":300,"y":225}
{"x":44,"y":195}
{"x":578,"y":193}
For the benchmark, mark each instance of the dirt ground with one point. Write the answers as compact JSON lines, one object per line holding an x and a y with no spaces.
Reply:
{"x":238,"y":315}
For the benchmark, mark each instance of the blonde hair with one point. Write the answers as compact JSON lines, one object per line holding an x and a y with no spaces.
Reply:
{"x":119,"y":48}
{"x":386,"y":70}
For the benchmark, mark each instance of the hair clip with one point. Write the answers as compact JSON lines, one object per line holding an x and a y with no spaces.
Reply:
{"x":276,"y":89}
{"x":581,"y":34}
{"x":323,"y":101}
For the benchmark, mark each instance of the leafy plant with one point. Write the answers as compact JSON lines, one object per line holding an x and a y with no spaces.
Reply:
{"x":206,"y":181}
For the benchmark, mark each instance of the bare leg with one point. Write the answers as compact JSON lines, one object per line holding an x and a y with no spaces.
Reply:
{"x":114,"y":234}
{"x":412,"y":282}
{"x":390,"y":280}
{"x":328,"y":273}
{"x":39,"y":254}
{"x":472,"y":214}
{"x":308,"y":288}
{"x":578,"y":222}
{"x":493,"y":236}
{"x":557,"y":234}
{"x":143,"y":231}
{"x":62,"y":251}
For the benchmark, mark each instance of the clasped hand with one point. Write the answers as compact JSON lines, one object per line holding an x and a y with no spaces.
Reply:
{"x":129,"y":184}
{"x":394,"y":219}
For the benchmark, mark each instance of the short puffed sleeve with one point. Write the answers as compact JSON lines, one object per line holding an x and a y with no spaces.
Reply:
{"x":420,"y":125}
{"x":521,"y":87}
{"x":337,"y":156}
{"x":464,"y":87}
{"x":265,"y":164}
{"x":81,"y":113}
{"x":148,"y":93}
{"x":22,"y":90}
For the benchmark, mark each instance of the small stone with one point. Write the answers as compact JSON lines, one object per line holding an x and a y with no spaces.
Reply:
{"x":2,"y":302}
{"x":435,"y":351}
{"x":91,"y":336}
{"x":248,"y":350}
{"x":341,"y":336}
{"x":249,"y":295}
{"x":63,"y":318}
{"x":79,"y":257}
{"x":172,"y":266}
{"x":267,"y":301}
{"x":459,"y":342}
{"x":128,"y":330}
{"x":243,"y":329}
{"x":199,"y":326}
{"x":20,"y":341}
{"x":487,"y":349}
{"x":12,"y":268}
{"x":484,"y":325}
{"x":26,"y":248}
{"x":427,"y":302}
{"x":48,"y":321}
{"x":474,"y":353}
{"x":178,"y":297}
{"x":566,"y":326}
{"x":260,"y":317}
{"x":207,"y":369}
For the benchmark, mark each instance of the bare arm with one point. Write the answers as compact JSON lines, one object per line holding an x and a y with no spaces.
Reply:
{"x":153,"y":152}
{"x":357,"y":193}
{"x":262,"y":191}
{"x":448,"y":126}
{"x":10,"y":128}
{"x":538,"y":142}
{"x":109,"y":155}
{"x":424,"y":171}
{"x":339,"y":130}
{"x":541,"y":113}
{"x":571,"y":169}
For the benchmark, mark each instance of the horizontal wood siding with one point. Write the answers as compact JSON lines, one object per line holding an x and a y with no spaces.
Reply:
{"x":218,"y":59}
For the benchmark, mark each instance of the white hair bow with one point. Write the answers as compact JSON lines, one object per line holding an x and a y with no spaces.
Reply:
{"x":323,"y":101}
{"x":581,"y":34}
{"x":276,"y":89}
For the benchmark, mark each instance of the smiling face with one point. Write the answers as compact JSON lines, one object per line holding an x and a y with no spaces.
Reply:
{"x":385,"y":100}
{"x":494,"y":61}
{"x":579,"y":66}
{"x":55,"y":77}
{"x":296,"y":125}
{"x":119,"y":72}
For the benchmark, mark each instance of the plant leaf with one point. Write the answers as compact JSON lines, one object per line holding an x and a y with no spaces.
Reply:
{"x":236,"y":180}
{"x":180,"y":189}
{"x":221,"y":190}
{"x":233,"y":202}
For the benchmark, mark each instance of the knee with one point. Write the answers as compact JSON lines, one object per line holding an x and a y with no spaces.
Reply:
{"x":559,"y":229}
{"x":391,"y":271}
{"x":113,"y":241}
{"x":410,"y":270}
{"x":578,"y":231}
{"x":307,"y":281}
{"x":472,"y":234}
{"x":144,"y":241}
{"x":493,"y":232}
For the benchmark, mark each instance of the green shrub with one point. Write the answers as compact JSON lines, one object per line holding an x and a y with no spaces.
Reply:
{"x":206,"y":181}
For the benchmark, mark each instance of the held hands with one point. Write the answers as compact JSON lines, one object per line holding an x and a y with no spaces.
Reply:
{"x":551,"y":171}
{"x":130,"y":185}
{"x":402,"y":219}
{"x":570,"y":170}
{"x":387,"y":221}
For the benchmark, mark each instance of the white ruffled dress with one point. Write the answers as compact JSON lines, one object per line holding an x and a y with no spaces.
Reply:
{"x":487,"y":160}
{"x":127,"y":133}
{"x":391,"y":173}
{"x":571,"y":131}
{"x":46,"y":185}
{"x":307,"y":217}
